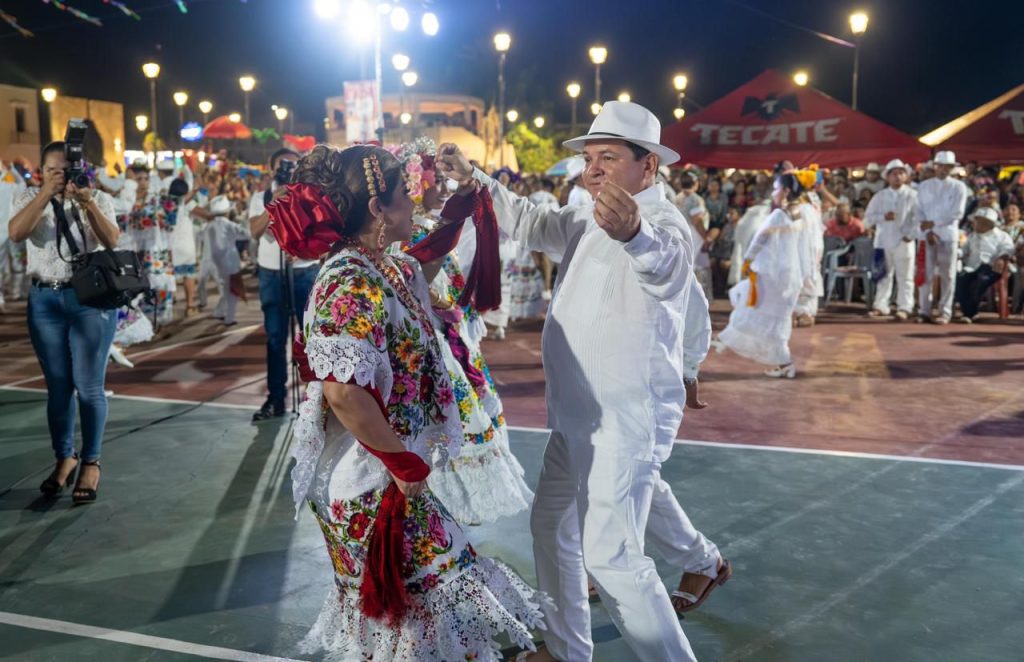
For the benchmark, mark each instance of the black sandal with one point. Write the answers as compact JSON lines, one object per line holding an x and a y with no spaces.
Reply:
{"x":50,"y":487}
{"x":82,"y":495}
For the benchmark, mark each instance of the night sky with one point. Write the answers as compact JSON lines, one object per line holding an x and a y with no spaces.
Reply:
{"x":923,"y":62}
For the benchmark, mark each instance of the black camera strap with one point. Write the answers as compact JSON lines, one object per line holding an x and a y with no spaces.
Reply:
{"x":64,"y":228}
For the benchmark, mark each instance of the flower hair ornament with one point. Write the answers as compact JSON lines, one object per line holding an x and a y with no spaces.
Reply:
{"x":417,"y":159}
{"x":305,"y":223}
{"x":375,"y":182}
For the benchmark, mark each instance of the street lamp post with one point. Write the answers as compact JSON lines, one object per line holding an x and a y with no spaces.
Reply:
{"x":49,"y":95}
{"x":151,"y":70}
{"x":180,"y":99}
{"x":205,"y":107}
{"x":801,"y":78}
{"x":858,"y":26}
{"x":574,"y":90}
{"x":502,"y":42}
{"x":247,"y":83}
{"x":409,"y":79}
{"x":281,"y":114}
{"x":598,"y":55}
{"x":512,"y":116}
{"x":625,"y":97}
{"x":538,"y":122}
{"x":141,"y":123}
{"x":679,"y":82}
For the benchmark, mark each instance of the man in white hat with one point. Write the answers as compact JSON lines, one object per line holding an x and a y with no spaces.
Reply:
{"x":613,"y":350}
{"x":579,"y":195}
{"x":988,"y":254}
{"x":891,"y":213}
{"x":941,"y":202}
{"x":872,"y":180}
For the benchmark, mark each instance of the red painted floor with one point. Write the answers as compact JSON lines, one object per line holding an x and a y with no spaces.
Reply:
{"x":954,"y":392}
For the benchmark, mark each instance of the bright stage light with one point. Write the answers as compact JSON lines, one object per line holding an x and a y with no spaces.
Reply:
{"x":430,"y":24}
{"x":327,"y":9}
{"x":399,"y":18}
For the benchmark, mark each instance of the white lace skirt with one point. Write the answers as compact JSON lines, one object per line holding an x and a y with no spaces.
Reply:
{"x":459,"y":601}
{"x":760,"y":333}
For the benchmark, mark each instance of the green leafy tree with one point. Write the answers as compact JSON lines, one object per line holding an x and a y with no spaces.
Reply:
{"x":534,"y":153}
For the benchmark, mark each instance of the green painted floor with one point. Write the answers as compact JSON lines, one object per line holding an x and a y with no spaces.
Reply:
{"x":193,"y":540}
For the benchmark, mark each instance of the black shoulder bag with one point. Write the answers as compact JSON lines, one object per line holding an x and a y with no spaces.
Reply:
{"x":102,"y":279}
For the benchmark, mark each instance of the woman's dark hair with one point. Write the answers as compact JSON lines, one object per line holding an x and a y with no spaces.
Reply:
{"x":55,"y":146}
{"x":340,"y":175}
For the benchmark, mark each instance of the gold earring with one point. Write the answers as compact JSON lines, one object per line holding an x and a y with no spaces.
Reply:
{"x":380,"y":236}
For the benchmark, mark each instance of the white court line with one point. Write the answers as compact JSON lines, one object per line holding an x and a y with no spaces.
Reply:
{"x":814,"y":451}
{"x":135,"y":639}
{"x":142,"y":398}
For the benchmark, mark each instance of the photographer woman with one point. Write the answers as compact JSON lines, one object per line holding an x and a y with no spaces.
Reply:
{"x":71,"y":341}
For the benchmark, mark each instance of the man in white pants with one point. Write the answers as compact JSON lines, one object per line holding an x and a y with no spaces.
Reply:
{"x":941,"y":202}
{"x":891,"y":213}
{"x":613,"y":357}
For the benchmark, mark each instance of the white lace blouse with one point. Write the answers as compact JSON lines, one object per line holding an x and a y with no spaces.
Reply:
{"x":44,"y":262}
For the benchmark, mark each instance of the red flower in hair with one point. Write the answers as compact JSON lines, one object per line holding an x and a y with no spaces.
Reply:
{"x":305,"y":222}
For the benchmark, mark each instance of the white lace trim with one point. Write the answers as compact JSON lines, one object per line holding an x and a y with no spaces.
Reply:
{"x":457,"y":620}
{"x":483,"y":483}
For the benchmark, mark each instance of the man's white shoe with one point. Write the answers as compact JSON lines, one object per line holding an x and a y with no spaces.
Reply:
{"x":118,"y":356}
{"x":498,"y":333}
{"x":782,"y":372}
{"x":717,"y":345}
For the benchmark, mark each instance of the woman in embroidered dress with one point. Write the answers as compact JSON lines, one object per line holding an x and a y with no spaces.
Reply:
{"x":775,"y":269}
{"x":151,"y":225}
{"x":485,"y":481}
{"x":379,"y":414}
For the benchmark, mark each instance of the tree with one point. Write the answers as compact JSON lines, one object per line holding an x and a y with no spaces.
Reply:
{"x":534,"y":153}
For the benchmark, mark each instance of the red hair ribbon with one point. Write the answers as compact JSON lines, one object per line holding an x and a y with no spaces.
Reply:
{"x":305,"y":223}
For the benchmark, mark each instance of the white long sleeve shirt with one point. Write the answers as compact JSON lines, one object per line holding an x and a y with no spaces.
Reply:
{"x":901,"y":202}
{"x":613,"y":342}
{"x":697,"y":331}
{"x":943,"y":202}
{"x":578,"y":197}
{"x":986,"y":249}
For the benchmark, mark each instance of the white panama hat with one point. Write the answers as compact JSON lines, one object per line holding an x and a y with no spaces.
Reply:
{"x":896,"y":164}
{"x":945,"y":158}
{"x":621,"y":120}
{"x":986,"y":212}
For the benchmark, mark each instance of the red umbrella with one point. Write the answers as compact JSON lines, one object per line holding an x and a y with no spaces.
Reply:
{"x":222,"y":127}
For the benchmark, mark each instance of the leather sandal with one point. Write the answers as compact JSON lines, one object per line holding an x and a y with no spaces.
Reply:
{"x":724,"y":573}
{"x":50,"y":487}
{"x":82,"y":495}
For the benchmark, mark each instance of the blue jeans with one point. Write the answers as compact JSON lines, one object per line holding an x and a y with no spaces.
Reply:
{"x":276,"y":320}
{"x":72,"y":343}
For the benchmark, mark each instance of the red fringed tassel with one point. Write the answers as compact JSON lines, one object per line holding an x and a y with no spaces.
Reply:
{"x":382,"y":593}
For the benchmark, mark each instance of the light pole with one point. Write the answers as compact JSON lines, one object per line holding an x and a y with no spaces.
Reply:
{"x":801,"y":78}
{"x":858,"y":26}
{"x":180,"y":99}
{"x":151,"y":70}
{"x":247,"y":83}
{"x":502,"y":42}
{"x":598,"y":55}
{"x":49,"y":95}
{"x":409,"y":79}
{"x":679,"y":82}
{"x":538,"y":122}
{"x":679,"y":113}
{"x":205,"y":107}
{"x":281,"y":114}
{"x":595,"y":108}
{"x":574,"y":90}
{"x":512,"y":116}
{"x":624,"y":97}
{"x":141,"y":123}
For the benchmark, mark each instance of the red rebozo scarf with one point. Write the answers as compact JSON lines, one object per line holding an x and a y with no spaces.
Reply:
{"x":483,"y":287}
{"x":382,"y":593}
{"x":305,"y":222}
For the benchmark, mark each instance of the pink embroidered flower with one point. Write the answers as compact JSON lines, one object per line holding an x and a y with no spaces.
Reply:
{"x":444,"y":395}
{"x":437,"y":532}
{"x":404,"y":389}
{"x":347,"y":561}
{"x":378,"y":335}
{"x":344,"y":309}
{"x":338,"y":510}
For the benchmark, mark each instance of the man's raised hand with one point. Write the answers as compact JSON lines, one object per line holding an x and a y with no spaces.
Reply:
{"x":453,"y":163}
{"x":617,"y":213}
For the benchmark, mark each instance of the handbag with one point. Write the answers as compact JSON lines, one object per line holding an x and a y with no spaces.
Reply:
{"x":104,"y":279}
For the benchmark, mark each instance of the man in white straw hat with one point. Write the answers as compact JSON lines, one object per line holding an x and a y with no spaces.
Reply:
{"x":941,"y":202}
{"x":613,"y":350}
{"x":872,"y":181}
{"x":988,"y":254}
{"x":891,"y":213}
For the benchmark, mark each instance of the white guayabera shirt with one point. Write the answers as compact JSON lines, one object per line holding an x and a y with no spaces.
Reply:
{"x":613,"y":343}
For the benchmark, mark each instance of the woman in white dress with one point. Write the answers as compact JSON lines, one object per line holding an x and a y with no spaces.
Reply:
{"x":380,"y":414}
{"x":485,"y":481}
{"x":774,"y":269}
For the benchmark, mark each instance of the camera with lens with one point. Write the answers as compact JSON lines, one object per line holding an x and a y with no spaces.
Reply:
{"x":76,"y":171}
{"x":283,"y":173}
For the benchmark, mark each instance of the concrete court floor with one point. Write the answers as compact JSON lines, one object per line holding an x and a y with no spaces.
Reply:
{"x":193,"y":545}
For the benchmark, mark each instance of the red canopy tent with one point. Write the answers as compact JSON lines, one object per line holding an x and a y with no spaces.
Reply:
{"x":222,"y":127}
{"x":771,"y":118}
{"x":992,"y":133}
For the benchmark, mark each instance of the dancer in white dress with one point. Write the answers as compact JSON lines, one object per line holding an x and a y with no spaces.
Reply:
{"x":775,"y":270}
